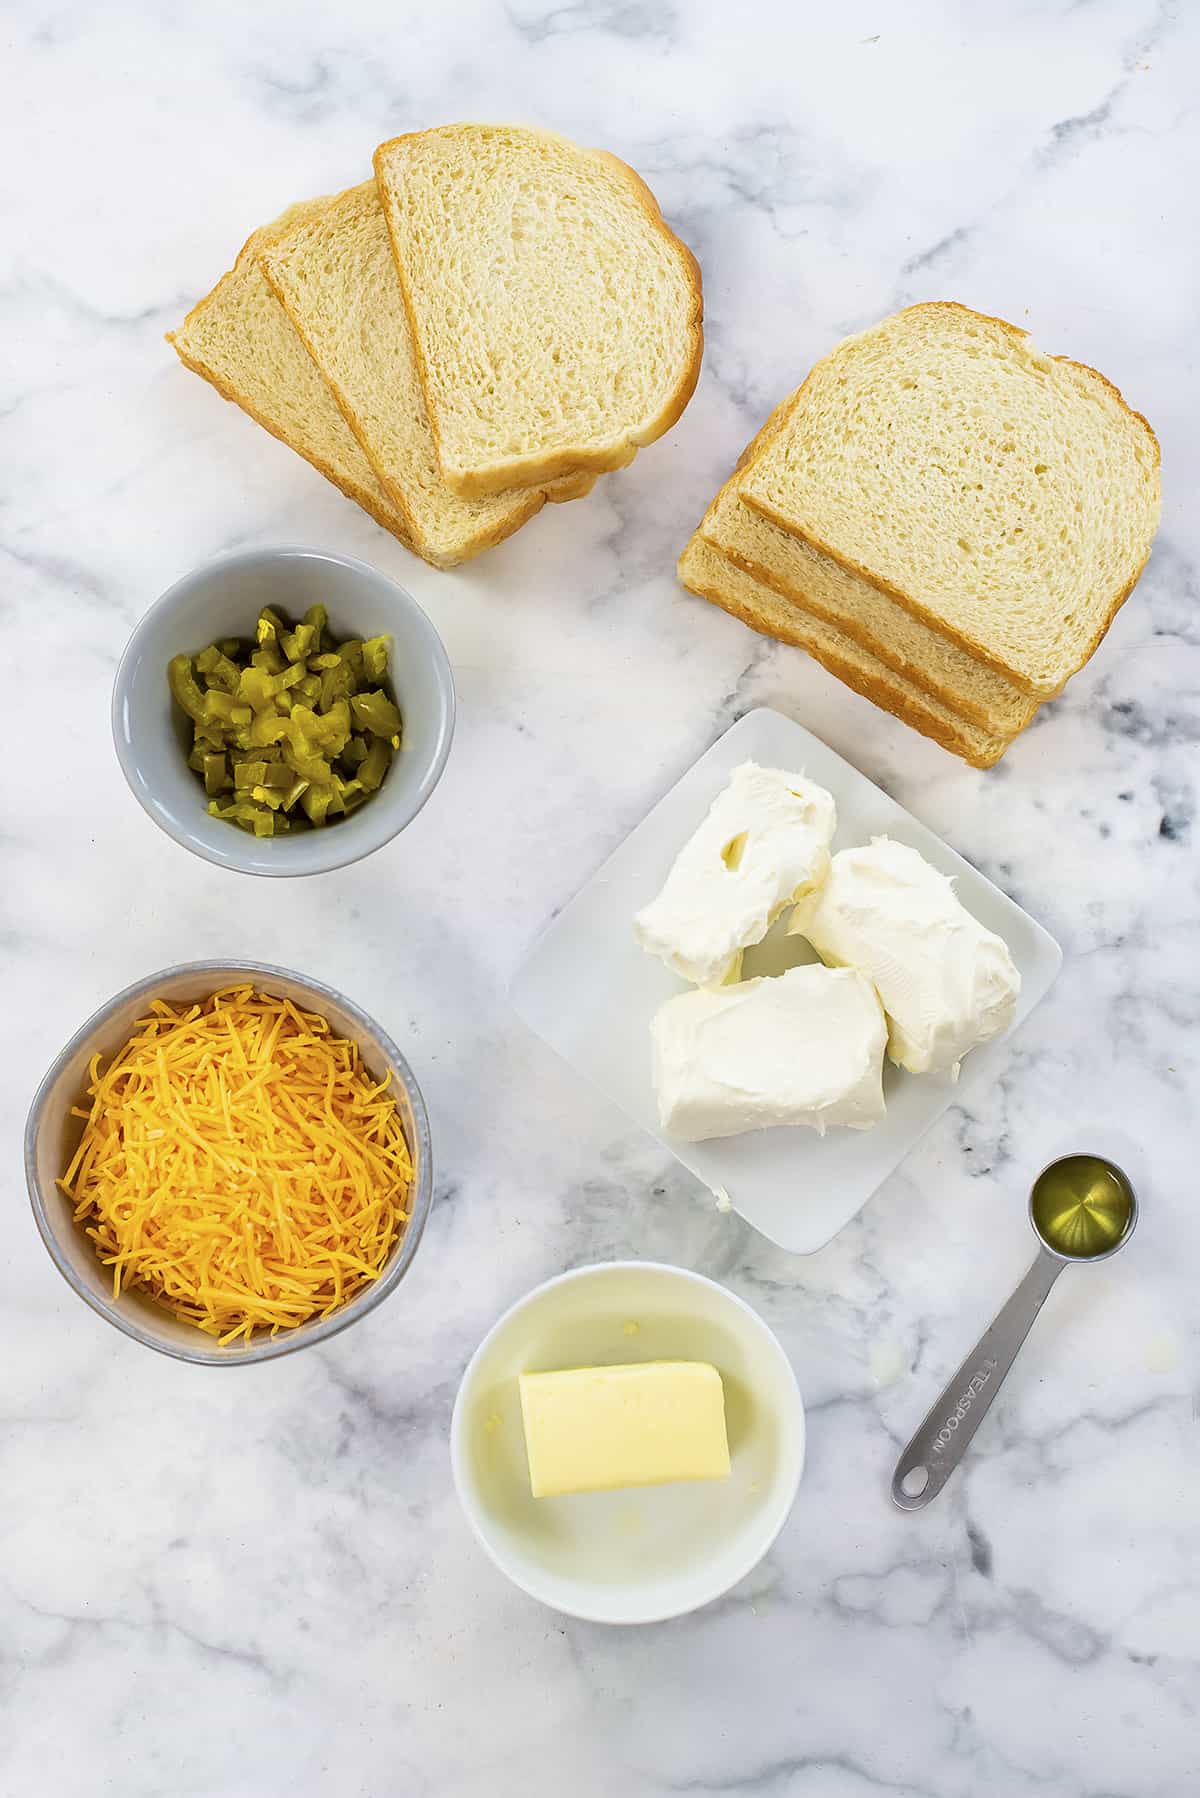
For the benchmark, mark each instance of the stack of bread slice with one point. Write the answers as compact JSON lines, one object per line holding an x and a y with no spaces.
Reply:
{"x":943,"y":516}
{"x":494,"y":320}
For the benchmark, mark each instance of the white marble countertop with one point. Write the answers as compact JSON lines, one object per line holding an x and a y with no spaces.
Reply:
{"x":260,"y":1584}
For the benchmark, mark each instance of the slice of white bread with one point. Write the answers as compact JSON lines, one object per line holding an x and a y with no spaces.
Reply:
{"x":335,"y":275}
{"x":705,"y":572}
{"x":240,"y":339}
{"x":875,"y":621}
{"x":1005,"y":497}
{"x":557,"y":319}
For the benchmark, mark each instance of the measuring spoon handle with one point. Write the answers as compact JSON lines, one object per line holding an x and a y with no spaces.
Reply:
{"x":940,"y":1443}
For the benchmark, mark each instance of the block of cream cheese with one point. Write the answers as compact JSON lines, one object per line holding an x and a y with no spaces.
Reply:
{"x":946,"y":983}
{"x":805,"y":1047}
{"x":764,"y":843}
{"x":590,"y":1429}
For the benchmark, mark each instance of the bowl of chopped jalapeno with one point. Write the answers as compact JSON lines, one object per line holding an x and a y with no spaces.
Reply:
{"x":283,"y":711}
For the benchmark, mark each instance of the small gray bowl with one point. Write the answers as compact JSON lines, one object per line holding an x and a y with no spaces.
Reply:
{"x":52,"y":1134}
{"x":222,"y":599}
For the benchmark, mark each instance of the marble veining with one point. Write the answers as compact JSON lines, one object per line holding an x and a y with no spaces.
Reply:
{"x":259,"y":1584}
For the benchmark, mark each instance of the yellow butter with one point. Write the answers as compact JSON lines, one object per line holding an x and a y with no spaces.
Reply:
{"x":590,"y":1429}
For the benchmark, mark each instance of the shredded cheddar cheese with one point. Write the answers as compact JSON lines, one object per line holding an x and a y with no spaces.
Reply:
{"x":240,"y":1164}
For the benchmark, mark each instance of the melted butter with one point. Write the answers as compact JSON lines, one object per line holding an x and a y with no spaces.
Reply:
{"x":1080,"y":1207}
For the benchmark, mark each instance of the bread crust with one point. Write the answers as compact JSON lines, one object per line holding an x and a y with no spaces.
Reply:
{"x":978,"y":749}
{"x":526,"y":506}
{"x":792,"y":591}
{"x":913,"y":672}
{"x":344,"y":485}
{"x":371,"y":503}
{"x":532,"y":468}
{"x":1039,"y":690}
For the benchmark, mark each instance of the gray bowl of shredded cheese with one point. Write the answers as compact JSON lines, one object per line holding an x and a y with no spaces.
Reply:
{"x":229,"y":1162}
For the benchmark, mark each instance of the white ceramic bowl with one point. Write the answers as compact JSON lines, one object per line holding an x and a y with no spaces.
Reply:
{"x":648,"y":1553}
{"x":222,"y":599}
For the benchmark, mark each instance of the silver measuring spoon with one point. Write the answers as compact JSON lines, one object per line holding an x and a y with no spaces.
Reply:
{"x":1082,"y":1208}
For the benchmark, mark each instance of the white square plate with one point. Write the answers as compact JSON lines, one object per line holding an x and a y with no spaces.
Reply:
{"x":590,"y":992}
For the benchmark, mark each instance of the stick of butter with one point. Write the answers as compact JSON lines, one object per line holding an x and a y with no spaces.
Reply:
{"x":590,"y":1429}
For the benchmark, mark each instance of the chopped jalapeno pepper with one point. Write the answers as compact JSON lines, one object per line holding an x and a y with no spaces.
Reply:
{"x":290,"y":728}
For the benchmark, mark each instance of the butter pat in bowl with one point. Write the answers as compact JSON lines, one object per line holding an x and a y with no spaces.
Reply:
{"x":622,"y":1376}
{"x":596,"y":1429}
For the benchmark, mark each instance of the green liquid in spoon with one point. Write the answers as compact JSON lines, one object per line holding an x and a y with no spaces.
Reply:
{"x":1080,"y":1207}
